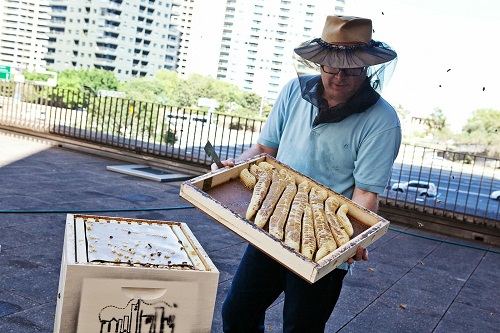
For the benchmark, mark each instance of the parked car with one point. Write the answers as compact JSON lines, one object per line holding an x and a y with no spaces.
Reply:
{"x":495,"y":195}
{"x":420,"y":187}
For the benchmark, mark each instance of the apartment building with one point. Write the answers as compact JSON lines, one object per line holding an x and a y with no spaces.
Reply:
{"x":247,"y":43}
{"x":23,"y":34}
{"x":200,"y":24}
{"x":250,"y":43}
{"x":132,"y":38}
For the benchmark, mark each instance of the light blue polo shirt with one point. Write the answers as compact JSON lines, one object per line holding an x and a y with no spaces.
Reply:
{"x":357,"y":151}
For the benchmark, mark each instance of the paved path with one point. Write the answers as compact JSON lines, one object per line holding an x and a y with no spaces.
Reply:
{"x":414,"y":282}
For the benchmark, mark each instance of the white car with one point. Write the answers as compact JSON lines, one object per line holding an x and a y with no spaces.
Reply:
{"x":420,"y":187}
{"x":495,"y":195}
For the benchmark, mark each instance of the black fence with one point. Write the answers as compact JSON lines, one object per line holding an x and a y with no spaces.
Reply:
{"x":446,"y":183}
{"x":439,"y":182}
{"x":143,"y":127}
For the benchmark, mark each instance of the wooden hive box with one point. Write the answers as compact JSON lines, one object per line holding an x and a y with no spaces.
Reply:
{"x":132,"y":275}
{"x":223,"y":196}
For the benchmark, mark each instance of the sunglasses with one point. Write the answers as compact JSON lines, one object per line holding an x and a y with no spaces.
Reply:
{"x":347,"y":71}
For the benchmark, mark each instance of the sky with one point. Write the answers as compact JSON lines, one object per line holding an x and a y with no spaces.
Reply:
{"x":448,"y":54}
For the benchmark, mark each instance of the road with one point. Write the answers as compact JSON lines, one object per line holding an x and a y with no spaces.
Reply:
{"x":460,"y":191}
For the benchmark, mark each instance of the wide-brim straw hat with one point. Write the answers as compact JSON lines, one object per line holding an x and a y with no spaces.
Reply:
{"x":346,"y":42}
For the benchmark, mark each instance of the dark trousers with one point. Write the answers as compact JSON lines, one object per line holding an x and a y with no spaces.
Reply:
{"x":259,"y":281}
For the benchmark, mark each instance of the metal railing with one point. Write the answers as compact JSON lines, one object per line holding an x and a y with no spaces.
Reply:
{"x":445,"y":183}
{"x":459,"y":185}
{"x":142,"y":127}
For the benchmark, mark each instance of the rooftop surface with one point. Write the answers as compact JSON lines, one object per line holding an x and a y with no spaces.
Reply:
{"x":415,"y":281}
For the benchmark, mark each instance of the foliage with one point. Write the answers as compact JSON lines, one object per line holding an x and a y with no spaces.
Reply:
{"x":403,"y":114}
{"x":76,"y":86}
{"x":167,"y":88}
{"x":7,"y":88}
{"x":91,"y":80}
{"x":150,"y":90}
{"x":169,"y":137}
{"x":437,"y":121}
{"x":99,"y":79}
{"x":483,"y":128}
{"x":437,"y":127}
{"x":484,"y":121}
{"x":32,"y":76}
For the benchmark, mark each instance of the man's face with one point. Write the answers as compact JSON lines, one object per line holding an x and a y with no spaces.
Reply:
{"x":340,"y":87}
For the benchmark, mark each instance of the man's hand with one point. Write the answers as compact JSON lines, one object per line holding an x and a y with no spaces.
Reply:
{"x":230,"y":162}
{"x":361,"y":254}
{"x":251,"y":152}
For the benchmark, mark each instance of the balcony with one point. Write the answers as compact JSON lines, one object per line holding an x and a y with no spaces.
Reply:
{"x":111,"y":46}
{"x":105,"y":57}
{"x":56,"y":31}
{"x":107,"y":34}
{"x":59,"y":9}
{"x":106,"y":50}
{"x":58,"y":20}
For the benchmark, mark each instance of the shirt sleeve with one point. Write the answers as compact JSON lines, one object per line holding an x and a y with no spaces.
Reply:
{"x":375,"y":158}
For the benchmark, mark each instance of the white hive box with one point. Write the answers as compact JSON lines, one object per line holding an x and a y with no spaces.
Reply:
{"x":223,"y":196}
{"x":131,"y":275}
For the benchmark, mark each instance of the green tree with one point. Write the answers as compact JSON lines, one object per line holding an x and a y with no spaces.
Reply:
{"x":69,"y":79}
{"x":77,"y":86}
{"x":98,"y":79}
{"x":483,"y":128}
{"x":32,"y":76}
{"x":146,"y":90}
{"x":170,"y":83}
{"x":403,"y":114}
{"x":167,"y":88}
{"x":437,"y":127}
{"x":437,"y":121}
{"x":88,"y":79}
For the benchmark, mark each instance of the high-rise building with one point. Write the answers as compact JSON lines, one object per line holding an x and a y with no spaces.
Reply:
{"x":23,"y":34}
{"x":131,"y":38}
{"x":200,"y":23}
{"x":250,"y":43}
{"x":247,"y":43}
